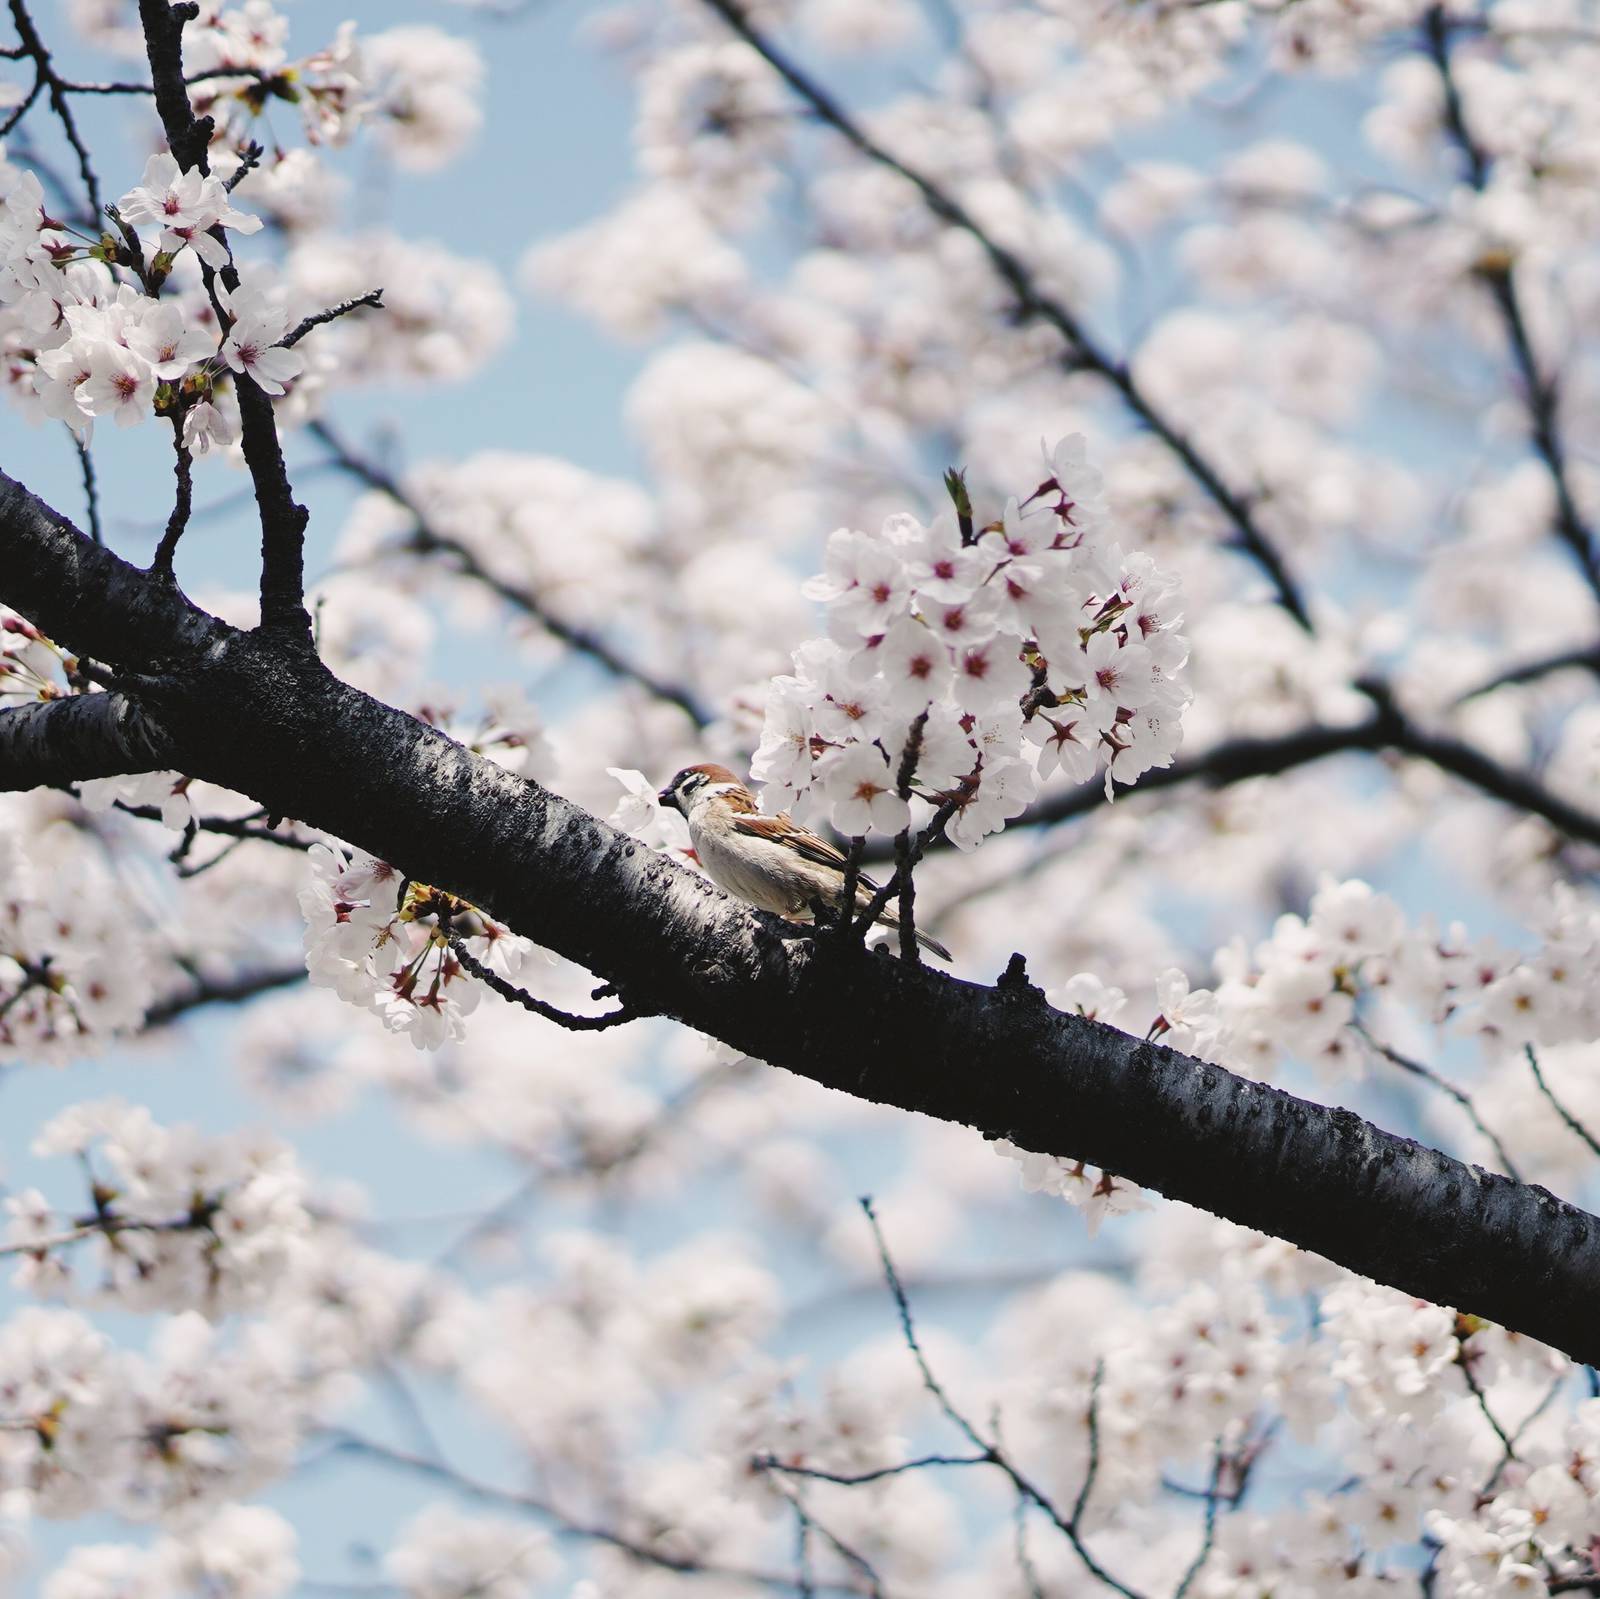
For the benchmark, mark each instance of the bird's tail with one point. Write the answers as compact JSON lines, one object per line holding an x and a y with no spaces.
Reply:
{"x":932,"y":945}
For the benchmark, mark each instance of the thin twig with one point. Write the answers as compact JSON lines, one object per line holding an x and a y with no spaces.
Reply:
{"x":1445,"y":1086}
{"x":1092,"y":1470}
{"x":564,"y":1526}
{"x":1587,"y":658}
{"x":224,"y":826}
{"x":808,"y":1523}
{"x":1240,"y":759}
{"x":249,"y":160}
{"x":105,"y":1226}
{"x":1550,"y":1395}
{"x":426,"y":539}
{"x":849,"y":888}
{"x":25,"y":107}
{"x":183,"y":502}
{"x":1068,"y":1526}
{"x":1208,"y":1537}
{"x":932,"y":834}
{"x":91,"y":492}
{"x":518,"y":996}
{"x":1560,"y":1109}
{"x":373,"y":298}
{"x":904,"y":778}
{"x":1019,"y":1545}
{"x":1476,"y":1390}
{"x":854,"y":1479}
{"x":35,"y":47}
{"x":1540,"y":393}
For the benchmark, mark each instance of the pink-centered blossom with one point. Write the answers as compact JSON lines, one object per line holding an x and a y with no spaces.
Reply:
{"x":251,"y":345}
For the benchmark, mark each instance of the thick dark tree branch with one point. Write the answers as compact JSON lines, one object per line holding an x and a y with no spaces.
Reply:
{"x":426,"y":539}
{"x":1540,"y":393}
{"x":1084,"y":353}
{"x":163,"y":37}
{"x":135,"y":623}
{"x":85,"y":735}
{"x":257,"y":715}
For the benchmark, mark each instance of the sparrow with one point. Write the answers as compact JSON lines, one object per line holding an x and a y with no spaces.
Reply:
{"x":771,"y":862}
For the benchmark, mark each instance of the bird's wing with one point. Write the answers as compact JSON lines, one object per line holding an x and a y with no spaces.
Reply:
{"x":783,"y":829}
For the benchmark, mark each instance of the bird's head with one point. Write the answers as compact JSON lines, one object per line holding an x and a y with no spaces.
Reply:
{"x":695,"y":781}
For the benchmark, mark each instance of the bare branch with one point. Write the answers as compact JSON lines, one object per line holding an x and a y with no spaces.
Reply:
{"x":1588,"y":659}
{"x":47,"y":75}
{"x":1386,"y":732}
{"x":91,"y":493}
{"x":1069,"y":1526}
{"x":246,"y":711}
{"x":183,"y":503}
{"x":235,"y":990}
{"x":563,"y":1525}
{"x":1540,"y":393}
{"x":519,"y":996}
{"x":427,"y":540}
{"x":373,"y":298}
{"x":1560,"y":1109}
{"x":1208,"y":1536}
{"x":854,"y":1479}
{"x":23,"y":108}
{"x":242,"y":828}
{"x":1475,"y":1388}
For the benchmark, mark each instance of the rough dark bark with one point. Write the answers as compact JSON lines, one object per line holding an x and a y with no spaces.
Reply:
{"x":251,"y":711}
{"x":88,"y":735}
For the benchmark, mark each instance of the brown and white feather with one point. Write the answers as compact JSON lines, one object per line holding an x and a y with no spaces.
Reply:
{"x":771,"y":862}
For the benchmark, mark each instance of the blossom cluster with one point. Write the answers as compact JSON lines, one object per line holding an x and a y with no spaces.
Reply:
{"x":232,"y":1552}
{"x":97,"y":348}
{"x":949,"y":645}
{"x":381,"y":942}
{"x":73,"y":966}
{"x":418,"y":87}
{"x":1301,"y":989}
{"x":195,"y":1422}
{"x":183,"y":1220}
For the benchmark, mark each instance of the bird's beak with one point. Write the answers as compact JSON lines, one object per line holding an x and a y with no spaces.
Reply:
{"x":665,"y":797}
